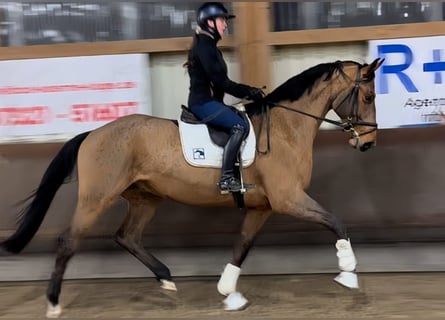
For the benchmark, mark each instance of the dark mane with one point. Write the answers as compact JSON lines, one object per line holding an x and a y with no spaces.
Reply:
{"x":296,"y":86}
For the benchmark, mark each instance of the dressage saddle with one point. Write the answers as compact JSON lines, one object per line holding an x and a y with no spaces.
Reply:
{"x":217,"y":135}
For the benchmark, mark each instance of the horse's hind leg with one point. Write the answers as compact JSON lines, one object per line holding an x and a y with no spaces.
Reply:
{"x":252,"y":223}
{"x":141,"y":211}
{"x":66,"y":247}
{"x":310,"y":210}
{"x":87,"y":212}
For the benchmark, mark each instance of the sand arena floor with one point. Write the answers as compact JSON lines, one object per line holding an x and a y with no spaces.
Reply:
{"x":381,"y":296}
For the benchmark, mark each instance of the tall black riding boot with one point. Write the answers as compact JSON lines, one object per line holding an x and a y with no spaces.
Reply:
{"x":228,"y":182}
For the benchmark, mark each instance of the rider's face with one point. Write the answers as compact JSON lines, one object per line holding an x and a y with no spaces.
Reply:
{"x":221,"y":25}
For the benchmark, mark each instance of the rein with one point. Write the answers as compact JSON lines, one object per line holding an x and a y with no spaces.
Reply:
{"x":347,"y":126}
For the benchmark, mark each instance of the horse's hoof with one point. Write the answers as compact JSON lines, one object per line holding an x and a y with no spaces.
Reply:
{"x":347,"y":279}
{"x":235,"y":302}
{"x":168,"y":285}
{"x":53,"y":311}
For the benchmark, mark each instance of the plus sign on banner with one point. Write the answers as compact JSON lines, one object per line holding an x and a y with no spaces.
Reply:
{"x":410,"y":85}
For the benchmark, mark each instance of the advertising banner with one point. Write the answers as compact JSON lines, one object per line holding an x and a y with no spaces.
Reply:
{"x":410,"y":85}
{"x":60,"y":97}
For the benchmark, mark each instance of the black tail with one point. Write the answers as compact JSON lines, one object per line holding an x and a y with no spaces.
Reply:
{"x":32,"y":215}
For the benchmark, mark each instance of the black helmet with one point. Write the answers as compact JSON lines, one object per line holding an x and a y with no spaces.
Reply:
{"x":212,"y":10}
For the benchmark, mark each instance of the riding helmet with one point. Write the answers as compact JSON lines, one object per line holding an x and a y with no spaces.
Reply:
{"x":212,"y":10}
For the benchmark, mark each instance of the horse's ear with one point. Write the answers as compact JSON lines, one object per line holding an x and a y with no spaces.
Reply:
{"x":375,"y":65}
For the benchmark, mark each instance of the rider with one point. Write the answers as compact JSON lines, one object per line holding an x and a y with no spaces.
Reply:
{"x":209,"y":82}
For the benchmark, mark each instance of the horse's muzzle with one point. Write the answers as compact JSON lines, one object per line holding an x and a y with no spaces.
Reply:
{"x":367,"y":145}
{"x":363,"y":147}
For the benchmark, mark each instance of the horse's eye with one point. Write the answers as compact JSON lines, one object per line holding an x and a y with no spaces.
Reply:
{"x":369,"y":98}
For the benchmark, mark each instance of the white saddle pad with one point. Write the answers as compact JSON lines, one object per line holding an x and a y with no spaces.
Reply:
{"x":200,"y":151}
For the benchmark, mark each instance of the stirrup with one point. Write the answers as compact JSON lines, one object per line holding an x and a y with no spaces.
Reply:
{"x":246,"y":187}
{"x":230,"y":184}
{"x":234,"y":185}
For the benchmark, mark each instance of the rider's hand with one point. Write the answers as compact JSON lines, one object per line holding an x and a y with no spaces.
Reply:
{"x":256,"y":94}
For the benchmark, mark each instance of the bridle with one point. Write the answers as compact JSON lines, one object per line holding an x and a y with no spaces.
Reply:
{"x":347,"y":125}
{"x":353,"y":119}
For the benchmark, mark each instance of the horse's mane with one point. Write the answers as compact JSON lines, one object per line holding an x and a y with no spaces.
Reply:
{"x":296,"y":86}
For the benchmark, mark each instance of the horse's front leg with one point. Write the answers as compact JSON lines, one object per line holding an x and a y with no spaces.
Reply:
{"x":304,"y":207}
{"x":252,"y":223}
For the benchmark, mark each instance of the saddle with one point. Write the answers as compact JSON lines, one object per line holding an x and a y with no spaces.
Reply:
{"x":217,"y":136}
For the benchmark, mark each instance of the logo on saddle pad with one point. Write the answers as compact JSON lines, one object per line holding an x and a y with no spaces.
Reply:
{"x":200,"y":151}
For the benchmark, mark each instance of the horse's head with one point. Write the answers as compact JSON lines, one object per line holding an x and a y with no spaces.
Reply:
{"x":356,"y":106}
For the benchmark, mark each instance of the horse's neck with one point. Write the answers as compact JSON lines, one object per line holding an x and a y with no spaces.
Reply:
{"x":296,"y":123}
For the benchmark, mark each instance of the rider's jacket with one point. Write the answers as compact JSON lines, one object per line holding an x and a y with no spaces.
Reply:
{"x":208,"y":72}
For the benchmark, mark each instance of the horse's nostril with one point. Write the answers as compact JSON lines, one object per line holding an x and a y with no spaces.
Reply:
{"x":366,"y":146}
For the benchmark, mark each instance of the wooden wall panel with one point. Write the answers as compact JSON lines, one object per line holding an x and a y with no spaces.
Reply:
{"x":394,"y":31}
{"x":259,"y":22}
{"x":391,"y":193}
{"x":100,"y":48}
{"x":251,"y":34}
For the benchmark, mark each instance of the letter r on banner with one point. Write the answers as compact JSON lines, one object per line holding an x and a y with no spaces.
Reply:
{"x":396,"y":69}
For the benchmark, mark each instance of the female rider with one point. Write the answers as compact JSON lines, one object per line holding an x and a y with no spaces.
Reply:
{"x":208,"y":84}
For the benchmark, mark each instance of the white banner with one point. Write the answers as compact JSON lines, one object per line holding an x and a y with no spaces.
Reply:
{"x":55,"y":98}
{"x":410,"y":85}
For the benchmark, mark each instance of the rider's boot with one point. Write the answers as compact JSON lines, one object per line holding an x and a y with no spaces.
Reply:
{"x":228,"y":181}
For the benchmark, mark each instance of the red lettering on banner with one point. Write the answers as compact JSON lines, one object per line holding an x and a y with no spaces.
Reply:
{"x":102,"y":111}
{"x":68,"y":87}
{"x":19,"y":116}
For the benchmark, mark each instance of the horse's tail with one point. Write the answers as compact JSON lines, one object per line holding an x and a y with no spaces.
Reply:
{"x":32,"y":215}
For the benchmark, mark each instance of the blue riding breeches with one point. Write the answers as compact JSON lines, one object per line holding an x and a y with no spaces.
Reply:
{"x":219,"y":115}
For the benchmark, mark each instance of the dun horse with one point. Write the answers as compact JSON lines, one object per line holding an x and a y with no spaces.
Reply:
{"x":139,"y":158}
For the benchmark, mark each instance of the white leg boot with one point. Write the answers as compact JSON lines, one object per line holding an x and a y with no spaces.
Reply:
{"x":228,"y":280}
{"x":347,"y":264}
{"x":227,"y":287}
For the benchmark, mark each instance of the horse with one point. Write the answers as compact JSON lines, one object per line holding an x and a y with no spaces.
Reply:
{"x":138,"y":158}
